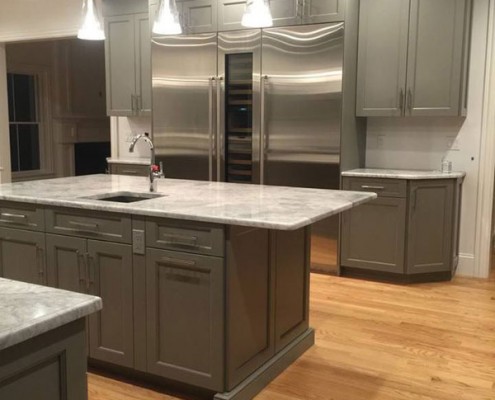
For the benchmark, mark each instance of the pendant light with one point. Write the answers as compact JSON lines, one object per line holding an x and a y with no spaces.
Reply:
{"x":91,"y":26}
{"x":257,"y":14}
{"x":167,"y":19}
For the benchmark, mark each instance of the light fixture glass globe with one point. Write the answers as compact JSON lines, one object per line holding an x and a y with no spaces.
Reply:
{"x":91,"y":26}
{"x":257,"y":14}
{"x":167,"y":19}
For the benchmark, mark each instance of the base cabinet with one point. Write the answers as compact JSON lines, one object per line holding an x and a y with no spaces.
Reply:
{"x":185,"y":321}
{"x":405,"y":232}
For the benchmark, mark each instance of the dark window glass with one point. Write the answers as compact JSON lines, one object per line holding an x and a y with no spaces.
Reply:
{"x":14,"y":148}
{"x":24,"y":98}
{"x":29,"y":147}
{"x":10,"y":91}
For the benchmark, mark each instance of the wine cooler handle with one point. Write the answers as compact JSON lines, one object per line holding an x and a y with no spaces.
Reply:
{"x":263,"y":132}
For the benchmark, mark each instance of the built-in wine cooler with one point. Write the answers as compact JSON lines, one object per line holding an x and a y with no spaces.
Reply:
{"x":239,"y":118}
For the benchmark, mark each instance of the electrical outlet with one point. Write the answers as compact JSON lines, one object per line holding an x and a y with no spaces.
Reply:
{"x":453,"y":143}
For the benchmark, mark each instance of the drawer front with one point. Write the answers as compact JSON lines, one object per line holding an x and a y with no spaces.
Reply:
{"x":184,"y":236}
{"x":130,"y":169}
{"x":92,"y":225}
{"x":382,"y":187}
{"x":22,"y":216}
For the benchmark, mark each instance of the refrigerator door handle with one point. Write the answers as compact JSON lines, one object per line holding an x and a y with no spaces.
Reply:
{"x":211,"y":135}
{"x":219,"y":139}
{"x":263,"y":133}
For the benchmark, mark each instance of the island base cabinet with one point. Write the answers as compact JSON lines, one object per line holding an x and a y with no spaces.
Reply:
{"x":22,"y":255}
{"x":111,"y":335}
{"x":185,"y":318}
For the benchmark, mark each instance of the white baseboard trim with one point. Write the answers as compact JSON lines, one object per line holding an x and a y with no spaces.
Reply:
{"x":466,"y":266}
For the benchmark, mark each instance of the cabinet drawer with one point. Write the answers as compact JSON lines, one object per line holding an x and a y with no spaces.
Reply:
{"x":129,"y":169}
{"x":23,"y":216}
{"x":184,"y":236}
{"x":93,"y":225}
{"x":382,"y":187}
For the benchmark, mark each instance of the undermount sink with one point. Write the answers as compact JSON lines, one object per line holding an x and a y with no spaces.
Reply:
{"x":126,"y":197}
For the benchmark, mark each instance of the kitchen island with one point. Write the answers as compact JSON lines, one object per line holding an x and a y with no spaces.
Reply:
{"x":42,"y":342}
{"x":205,"y":284}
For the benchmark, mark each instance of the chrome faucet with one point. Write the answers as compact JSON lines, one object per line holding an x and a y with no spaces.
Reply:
{"x":156,"y":172}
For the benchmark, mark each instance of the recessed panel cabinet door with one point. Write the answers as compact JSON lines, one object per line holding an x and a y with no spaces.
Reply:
{"x":382,"y":55}
{"x":185,"y":317}
{"x":316,"y":11}
{"x":435,"y":57}
{"x":22,"y":255}
{"x":430,"y":226}
{"x":66,"y":262}
{"x":143,"y":63}
{"x":286,"y":12}
{"x":199,"y":16}
{"x":230,"y":14}
{"x":120,"y":68}
{"x":111,"y":329}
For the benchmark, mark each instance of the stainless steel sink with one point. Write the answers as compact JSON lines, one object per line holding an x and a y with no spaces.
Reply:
{"x":125,"y":197}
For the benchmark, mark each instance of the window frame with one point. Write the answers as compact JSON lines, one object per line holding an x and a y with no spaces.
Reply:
{"x":44,"y":112}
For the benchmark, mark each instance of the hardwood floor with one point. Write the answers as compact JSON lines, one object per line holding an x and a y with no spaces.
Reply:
{"x":382,"y":342}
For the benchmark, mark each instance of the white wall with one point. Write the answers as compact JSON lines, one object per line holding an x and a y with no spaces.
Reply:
{"x":421,"y":143}
{"x":4,"y":120}
{"x":35,"y":19}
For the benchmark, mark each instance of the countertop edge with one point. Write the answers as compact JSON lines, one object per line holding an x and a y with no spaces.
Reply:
{"x":408,"y":175}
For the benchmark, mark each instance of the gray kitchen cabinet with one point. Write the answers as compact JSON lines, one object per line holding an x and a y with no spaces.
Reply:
{"x":198,"y":16}
{"x":411,"y":57}
{"x":317,"y":11}
{"x":286,"y":12}
{"x":22,"y":255}
{"x":128,"y":65}
{"x":230,"y":14}
{"x":111,"y":334}
{"x":430,"y":231}
{"x":409,"y":234}
{"x":66,"y":262}
{"x":185,"y":321}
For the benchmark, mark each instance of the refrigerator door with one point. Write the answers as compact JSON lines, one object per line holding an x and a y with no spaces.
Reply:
{"x":184,"y":104}
{"x":302,"y":103}
{"x":238,"y":130}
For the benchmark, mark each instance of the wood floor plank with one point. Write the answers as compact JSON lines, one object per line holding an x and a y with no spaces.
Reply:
{"x":377,"y":341}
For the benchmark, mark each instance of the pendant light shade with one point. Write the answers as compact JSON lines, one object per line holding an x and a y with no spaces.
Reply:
{"x":167,"y":19}
{"x":91,"y":26}
{"x":257,"y":14}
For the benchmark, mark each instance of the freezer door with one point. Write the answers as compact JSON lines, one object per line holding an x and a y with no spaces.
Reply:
{"x":301,"y":94}
{"x":184,"y":104}
{"x":239,"y":65}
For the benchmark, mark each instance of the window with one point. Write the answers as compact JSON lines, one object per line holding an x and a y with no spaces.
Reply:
{"x":24,"y":121}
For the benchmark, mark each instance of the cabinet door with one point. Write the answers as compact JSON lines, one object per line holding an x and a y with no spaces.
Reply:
{"x":119,"y":64}
{"x":316,"y":11}
{"x":286,"y":12}
{"x":185,"y":317}
{"x":143,"y":63}
{"x":382,"y":55}
{"x":199,"y":16}
{"x":430,"y":226}
{"x":230,"y":14}
{"x":435,"y":59}
{"x":66,"y":262}
{"x":111,"y":330}
{"x":22,"y":255}
{"x":373,"y":235}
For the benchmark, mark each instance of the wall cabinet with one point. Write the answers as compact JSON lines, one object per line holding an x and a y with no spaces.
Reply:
{"x":412,"y":57}
{"x":411,"y":229}
{"x":128,"y":65}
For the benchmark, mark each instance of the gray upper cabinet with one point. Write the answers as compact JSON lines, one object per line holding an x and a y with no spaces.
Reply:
{"x":110,"y":277}
{"x":435,"y":57}
{"x":230,"y":14}
{"x":22,"y":255}
{"x":185,"y":317}
{"x":198,"y":16}
{"x":382,"y":57}
{"x":430,"y":226}
{"x":286,"y":12}
{"x":411,"y":57}
{"x":316,"y":11}
{"x":128,"y":64}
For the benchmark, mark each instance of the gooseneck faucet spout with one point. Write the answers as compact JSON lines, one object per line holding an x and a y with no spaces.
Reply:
{"x":155,"y":171}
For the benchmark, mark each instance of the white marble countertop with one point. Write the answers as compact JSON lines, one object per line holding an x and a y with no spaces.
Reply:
{"x":129,"y":160}
{"x":29,"y":310}
{"x":402,"y":174}
{"x":274,"y":207}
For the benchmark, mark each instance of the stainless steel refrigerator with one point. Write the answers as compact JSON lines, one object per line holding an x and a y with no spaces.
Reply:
{"x":253,"y":106}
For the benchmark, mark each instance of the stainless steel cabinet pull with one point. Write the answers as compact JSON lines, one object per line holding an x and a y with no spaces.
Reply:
{"x":181,"y":240}
{"x":179,"y":262}
{"x":413,"y":200}
{"x":129,"y":171}
{"x":409,"y":100}
{"x":80,"y":271}
{"x":10,"y":215}
{"x":90,"y":271}
{"x":84,"y":225}
{"x":40,"y":263}
{"x":372,"y":187}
